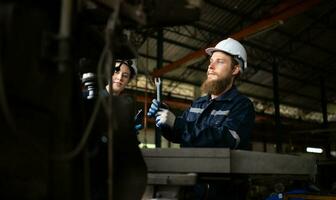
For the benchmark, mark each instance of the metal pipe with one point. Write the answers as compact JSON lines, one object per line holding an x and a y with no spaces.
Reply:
{"x":325,"y":114}
{"x":276,"y":101}
{"x":64,"y":34}
{"x":159,"y":65}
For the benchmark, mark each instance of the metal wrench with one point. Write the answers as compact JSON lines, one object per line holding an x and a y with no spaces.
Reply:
{"x":158,"y":88}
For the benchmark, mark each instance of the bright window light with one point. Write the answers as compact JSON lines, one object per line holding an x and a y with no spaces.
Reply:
{"x":149,"y":146}
{"x":314,"y":150}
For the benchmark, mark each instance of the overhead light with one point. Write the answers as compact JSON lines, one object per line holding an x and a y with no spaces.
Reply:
{"x":314,"y":150}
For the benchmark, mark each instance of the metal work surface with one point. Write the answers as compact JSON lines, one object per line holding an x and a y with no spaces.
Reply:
{"x":214,"y":160}
{"x":271,"y":163}
{"x":187,"y":160}
{"x":172,"y":179}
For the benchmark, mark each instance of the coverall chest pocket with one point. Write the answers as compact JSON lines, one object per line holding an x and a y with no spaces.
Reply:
{"x":218,"y":118}
{"x":191,"y":117}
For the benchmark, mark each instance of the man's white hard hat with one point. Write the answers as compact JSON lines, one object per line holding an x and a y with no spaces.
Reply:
{"x":231,"y":47}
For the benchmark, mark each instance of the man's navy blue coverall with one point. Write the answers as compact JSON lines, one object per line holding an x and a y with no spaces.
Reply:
{"x":225,"y":121}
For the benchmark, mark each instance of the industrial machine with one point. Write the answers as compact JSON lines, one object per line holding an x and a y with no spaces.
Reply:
{"x":172,"y":169}
{"x":48,"y":51}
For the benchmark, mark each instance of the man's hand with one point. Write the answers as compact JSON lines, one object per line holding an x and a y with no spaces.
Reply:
{"x":165,"y":118}
{"x":153,"y":108}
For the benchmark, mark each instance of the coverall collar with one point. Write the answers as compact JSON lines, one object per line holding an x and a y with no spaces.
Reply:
{"x":227,"y":96}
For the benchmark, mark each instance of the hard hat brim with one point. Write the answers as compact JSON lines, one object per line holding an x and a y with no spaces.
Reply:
{"x":210,"y":51}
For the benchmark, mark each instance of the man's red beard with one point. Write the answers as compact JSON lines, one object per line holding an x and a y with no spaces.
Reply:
{"x":216,"y":87}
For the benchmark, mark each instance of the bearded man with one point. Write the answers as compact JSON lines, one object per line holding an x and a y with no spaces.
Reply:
{"x":222,"y":118}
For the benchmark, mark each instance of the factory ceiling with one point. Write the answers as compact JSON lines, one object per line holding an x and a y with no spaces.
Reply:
{"x":291,"y":40}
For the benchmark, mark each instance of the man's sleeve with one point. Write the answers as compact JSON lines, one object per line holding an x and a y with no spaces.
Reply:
{"x":237,"y":127}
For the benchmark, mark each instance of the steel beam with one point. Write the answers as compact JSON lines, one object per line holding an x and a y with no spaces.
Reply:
{"x":265,"y":86}
{"x":276,"y":102}
{"x":262,"y":98}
